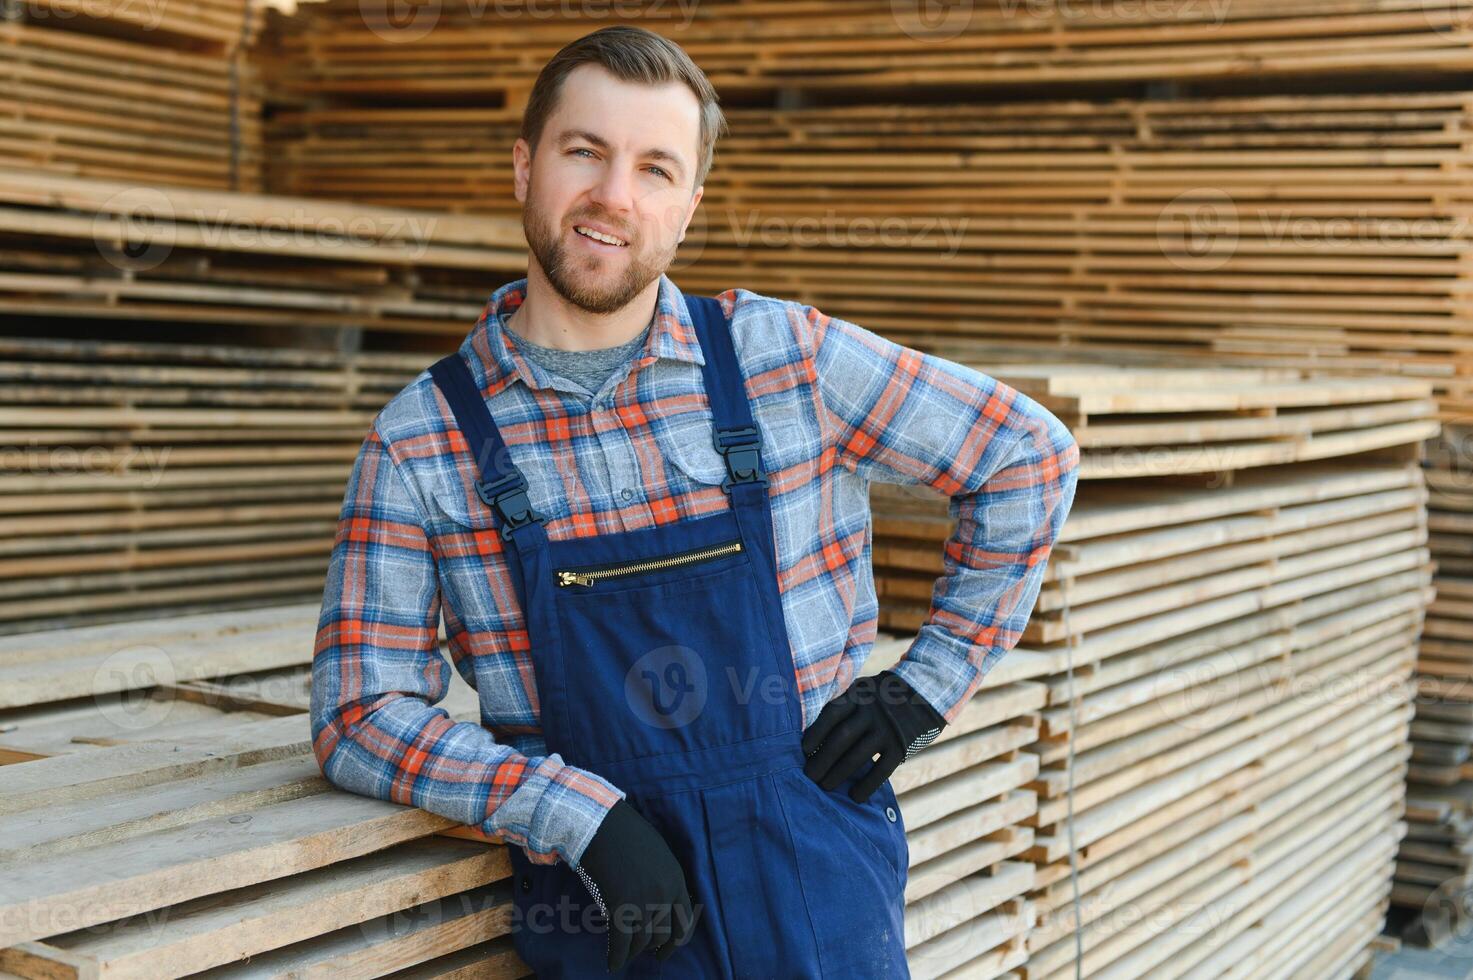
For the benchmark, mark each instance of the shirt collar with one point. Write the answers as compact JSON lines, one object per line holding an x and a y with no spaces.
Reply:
{"x":672,"y":335}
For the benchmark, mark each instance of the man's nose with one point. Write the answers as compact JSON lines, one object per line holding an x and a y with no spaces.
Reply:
{"x":614,"y":190}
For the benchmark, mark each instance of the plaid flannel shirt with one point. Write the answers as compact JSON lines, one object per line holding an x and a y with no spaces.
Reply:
{"x":838,"y":406}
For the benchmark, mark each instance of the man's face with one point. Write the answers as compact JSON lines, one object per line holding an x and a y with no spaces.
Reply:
{"x":618,"y":158}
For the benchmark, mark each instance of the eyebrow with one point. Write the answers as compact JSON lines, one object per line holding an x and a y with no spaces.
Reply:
{"x":654,"y":153}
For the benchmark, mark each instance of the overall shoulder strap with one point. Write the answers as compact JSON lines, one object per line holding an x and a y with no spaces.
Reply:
{"x":502,"y":485}
{"x":737,"y":438}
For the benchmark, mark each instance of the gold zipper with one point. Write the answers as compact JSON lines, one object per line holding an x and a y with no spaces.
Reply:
{"x":587,"y":577}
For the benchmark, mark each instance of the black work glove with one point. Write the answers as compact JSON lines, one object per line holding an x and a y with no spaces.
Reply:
{"x":639,"y":886}
{"x":879,"y":713}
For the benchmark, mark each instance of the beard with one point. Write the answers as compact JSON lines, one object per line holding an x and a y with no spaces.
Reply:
{"x":583,"y":280}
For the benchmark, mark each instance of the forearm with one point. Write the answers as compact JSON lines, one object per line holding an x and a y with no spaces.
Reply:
{"x":1009,"y":466}
{"x":994,"y":563}
{"x":396,"y":746}
{"x":377,"y":673}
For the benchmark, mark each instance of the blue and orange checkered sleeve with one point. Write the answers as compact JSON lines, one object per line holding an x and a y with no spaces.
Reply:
{"x":1009,"y":466}
{"x":377,"y":673}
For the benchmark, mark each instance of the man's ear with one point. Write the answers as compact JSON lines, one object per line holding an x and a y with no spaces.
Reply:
{"x":521,"y":163}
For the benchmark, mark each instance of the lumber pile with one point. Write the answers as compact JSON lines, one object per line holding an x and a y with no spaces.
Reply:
{"x":219,"y":265}
{"x":74,"y":689}
{"x":162,"y":93}
{"x":1434,"y":871}
{"x":1312,"y":231}
{"x":876,"y":47}
{"x":198,"y":460}
{"x":150,"y":476}
{"x":231,"y":852}
{"x":1223,"y":750}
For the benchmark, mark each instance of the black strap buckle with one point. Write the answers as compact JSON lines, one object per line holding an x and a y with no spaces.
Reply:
{"x":741,"y":448}
{"x":509,"y":496}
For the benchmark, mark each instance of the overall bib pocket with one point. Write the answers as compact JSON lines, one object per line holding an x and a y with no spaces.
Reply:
{"x":676,"y":666}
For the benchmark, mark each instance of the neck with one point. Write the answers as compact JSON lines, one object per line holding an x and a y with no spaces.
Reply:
{"x":548,"y":320}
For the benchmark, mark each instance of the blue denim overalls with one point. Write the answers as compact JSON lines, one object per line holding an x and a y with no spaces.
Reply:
{"x":663,"y":664}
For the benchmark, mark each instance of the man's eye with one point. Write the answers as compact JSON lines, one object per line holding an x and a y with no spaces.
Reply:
{"x":659,"y":171}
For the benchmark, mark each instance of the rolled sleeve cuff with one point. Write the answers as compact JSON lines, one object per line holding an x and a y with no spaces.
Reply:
{"x":571,"y":803}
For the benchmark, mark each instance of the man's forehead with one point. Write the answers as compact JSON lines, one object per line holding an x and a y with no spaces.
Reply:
{"x":657,"y":132}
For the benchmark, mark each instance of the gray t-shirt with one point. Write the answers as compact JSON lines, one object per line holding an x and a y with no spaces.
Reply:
{"x":589,"y":368}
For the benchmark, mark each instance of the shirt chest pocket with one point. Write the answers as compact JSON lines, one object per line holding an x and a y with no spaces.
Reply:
{"x":456,"y":507}
{"x":687,"y":443}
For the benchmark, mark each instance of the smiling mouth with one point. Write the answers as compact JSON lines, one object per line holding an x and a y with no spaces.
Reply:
{"x":598,"y":236}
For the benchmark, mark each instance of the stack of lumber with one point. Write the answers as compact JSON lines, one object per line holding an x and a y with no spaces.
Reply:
{"x":203,"y":467}
{"x":1230,"y":648}
{"x":230,"y":852}
{"x":875,"y":47}
{"x":216,"y":846}
{"x":163,"y":93}
{"x":1312,"y":231}
{"x":73,"y":689}
{"x":151,"y":476}
{"x":1434,"y":871}
{"x":220,"y":264}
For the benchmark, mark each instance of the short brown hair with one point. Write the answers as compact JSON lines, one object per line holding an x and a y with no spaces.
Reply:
{"x":631,"y":54}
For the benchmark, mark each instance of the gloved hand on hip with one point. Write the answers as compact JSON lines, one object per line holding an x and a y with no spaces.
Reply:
{"x":639,"y":886}
{"x":879,"y":713}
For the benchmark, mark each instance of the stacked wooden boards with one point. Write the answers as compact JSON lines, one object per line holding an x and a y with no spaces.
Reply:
{"x":217,"y":849}
{"x":1434,"y":871}
{"x":161,"y":93}
{"x":1224,"y":745}
{"x":215,"y":266}
{"x":144,"y":477}
{"x":73,"y":689}
{"x":1314,"y":230}
{"x":868,"y":47}
{"x":203,"y":466}
{"x":161,"y":859}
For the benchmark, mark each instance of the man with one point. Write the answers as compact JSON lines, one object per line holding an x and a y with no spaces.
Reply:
{"x":644,"y":516}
